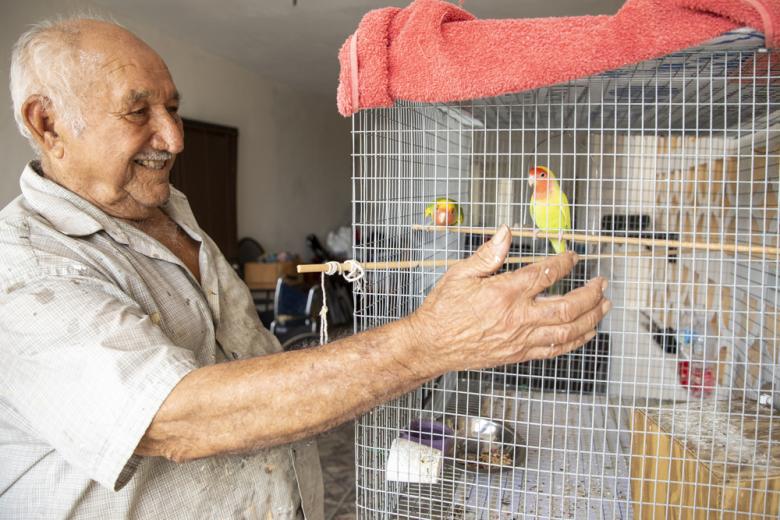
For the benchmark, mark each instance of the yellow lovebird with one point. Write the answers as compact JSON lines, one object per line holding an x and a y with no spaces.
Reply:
{"x":444,"y":212}
{"x":549,"y":205}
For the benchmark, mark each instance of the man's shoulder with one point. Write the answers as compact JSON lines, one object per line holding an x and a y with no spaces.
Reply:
{"x":20,"y":222}
{"x":30,"y":246}
{"x":15,"y":223}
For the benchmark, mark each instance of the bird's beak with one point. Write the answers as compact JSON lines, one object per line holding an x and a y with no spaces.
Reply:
{"x":532,"y":181}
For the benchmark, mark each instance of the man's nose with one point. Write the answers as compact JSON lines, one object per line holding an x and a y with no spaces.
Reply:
{"x":168,"y":134}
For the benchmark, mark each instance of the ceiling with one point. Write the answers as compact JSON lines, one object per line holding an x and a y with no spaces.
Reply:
{"x":298,"y":44}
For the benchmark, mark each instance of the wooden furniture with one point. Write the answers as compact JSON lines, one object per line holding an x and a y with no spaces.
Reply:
{"x":206,"y":172}
{"x":706,"y":459}
{"x":261,"y":278}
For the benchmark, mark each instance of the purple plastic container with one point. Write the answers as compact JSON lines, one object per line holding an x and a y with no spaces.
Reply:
{"x":430,"y":433}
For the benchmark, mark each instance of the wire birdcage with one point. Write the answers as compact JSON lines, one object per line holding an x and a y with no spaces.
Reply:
{"x":671,"y":168}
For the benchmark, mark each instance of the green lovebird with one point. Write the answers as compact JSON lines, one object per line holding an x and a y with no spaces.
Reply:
{"x":444,"y":212}
{"x":549,"y":205}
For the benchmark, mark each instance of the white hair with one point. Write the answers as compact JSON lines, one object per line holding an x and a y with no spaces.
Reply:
{"x":47,"y":61}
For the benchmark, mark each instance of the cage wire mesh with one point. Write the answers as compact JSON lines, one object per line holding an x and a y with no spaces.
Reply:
{"x":671,"y":168}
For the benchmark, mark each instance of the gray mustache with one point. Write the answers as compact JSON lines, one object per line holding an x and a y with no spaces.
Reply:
{"x":154,"y":156}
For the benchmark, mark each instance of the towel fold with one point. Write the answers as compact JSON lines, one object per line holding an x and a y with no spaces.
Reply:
{"x":434,"y":51}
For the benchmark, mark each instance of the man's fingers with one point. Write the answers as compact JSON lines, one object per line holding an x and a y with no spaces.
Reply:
{"x":565,"y":309}
{"x":552,"y":335}
{"x":488,"y":258}
{"x":537,"y":277}
{"x":551,"y":351}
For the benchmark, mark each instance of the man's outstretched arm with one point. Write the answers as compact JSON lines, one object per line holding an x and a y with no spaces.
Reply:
{"x":470,"y":320}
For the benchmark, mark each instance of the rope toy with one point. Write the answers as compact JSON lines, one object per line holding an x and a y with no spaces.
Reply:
{"x":354,"y":275}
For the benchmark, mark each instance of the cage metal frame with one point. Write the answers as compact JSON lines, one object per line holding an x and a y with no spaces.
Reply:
{"x":693,"y":141}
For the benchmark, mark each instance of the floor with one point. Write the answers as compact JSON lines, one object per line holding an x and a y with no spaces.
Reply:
{"x":337,"y":453}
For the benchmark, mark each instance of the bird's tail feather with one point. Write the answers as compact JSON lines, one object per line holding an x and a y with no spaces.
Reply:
{"x":559,"y":246}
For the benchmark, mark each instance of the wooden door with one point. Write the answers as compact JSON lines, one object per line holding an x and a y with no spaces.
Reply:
{"x":206,"y":172}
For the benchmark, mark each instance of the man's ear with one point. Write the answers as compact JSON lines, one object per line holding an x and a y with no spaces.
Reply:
{"x":39,"y":117}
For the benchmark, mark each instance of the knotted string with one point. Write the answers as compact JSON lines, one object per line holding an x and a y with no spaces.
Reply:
{"x":354,"y":274}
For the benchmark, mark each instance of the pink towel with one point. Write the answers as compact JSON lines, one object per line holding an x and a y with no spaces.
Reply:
{"x":433,"y":51}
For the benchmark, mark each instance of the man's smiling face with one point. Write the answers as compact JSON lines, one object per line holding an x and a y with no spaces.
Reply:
{"x":122,"y":159}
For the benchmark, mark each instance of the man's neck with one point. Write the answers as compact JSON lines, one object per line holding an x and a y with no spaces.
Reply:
{"x":162,"y":227}
{"x":158,"y":222}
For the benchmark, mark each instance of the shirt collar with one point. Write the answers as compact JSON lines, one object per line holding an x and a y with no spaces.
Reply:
{"x":75,"y":216}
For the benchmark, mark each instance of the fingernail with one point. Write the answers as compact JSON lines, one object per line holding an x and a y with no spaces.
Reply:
{"x":606,"y":306}
{"x":604,"y":284}
{"x":575,"y":257}
{"x":500,"y":235}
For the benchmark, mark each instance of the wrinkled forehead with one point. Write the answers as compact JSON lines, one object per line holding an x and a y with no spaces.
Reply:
{"x":123,"y":69}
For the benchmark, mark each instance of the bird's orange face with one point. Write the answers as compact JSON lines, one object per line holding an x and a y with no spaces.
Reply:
{"x":539,"y":179}
{"x":445,"y":214}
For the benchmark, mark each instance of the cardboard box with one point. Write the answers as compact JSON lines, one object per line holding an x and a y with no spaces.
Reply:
{"x":715,"y":469}
{"x":264,"y":275}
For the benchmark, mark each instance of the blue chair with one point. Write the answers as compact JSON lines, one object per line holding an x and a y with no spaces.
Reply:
{"x":296,"y":309}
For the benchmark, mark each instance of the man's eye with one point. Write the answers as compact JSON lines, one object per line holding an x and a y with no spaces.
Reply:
{"x":173,"y":110}
{"x":139,"y":112}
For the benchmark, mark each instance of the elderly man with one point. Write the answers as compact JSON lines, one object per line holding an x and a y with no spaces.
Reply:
{"x":136,"y":379}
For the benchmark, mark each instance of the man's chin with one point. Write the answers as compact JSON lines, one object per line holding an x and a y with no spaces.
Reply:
{"x":160,"y":197}
{"x":152,"y":197}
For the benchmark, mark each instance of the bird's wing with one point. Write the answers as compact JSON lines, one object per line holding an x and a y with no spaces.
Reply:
{"x":565,"y":212}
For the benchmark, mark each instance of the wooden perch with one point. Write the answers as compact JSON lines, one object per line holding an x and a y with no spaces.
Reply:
{"x":443,"y":262}
{"x":750,"y":249}
{"x":753,"y":249}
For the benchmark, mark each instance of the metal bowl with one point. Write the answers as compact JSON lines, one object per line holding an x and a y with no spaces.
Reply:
{"x":487,"y":443}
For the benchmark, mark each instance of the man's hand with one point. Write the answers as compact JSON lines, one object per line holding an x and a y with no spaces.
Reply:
{"x":474,"y":320}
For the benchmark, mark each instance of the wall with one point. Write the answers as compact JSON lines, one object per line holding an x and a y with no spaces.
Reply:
{"x":293,"y":168}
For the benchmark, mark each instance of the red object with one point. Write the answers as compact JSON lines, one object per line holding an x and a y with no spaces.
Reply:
{"x":699,"y":379}
{"x":433,"y":51}
{"x":683,"y":372}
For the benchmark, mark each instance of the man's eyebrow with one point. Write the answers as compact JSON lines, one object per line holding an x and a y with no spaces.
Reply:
{"x":135,"y":96}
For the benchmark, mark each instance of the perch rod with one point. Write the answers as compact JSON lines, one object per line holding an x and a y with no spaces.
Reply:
{"x":443,"y":262}
{"x":648,"y":242}
{"x":574,"y":237}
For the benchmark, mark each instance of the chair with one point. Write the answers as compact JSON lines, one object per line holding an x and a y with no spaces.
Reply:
{"x":296,"y":308}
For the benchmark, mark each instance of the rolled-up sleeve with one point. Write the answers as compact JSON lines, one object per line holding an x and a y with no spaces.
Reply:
{"x":87,"y":368}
